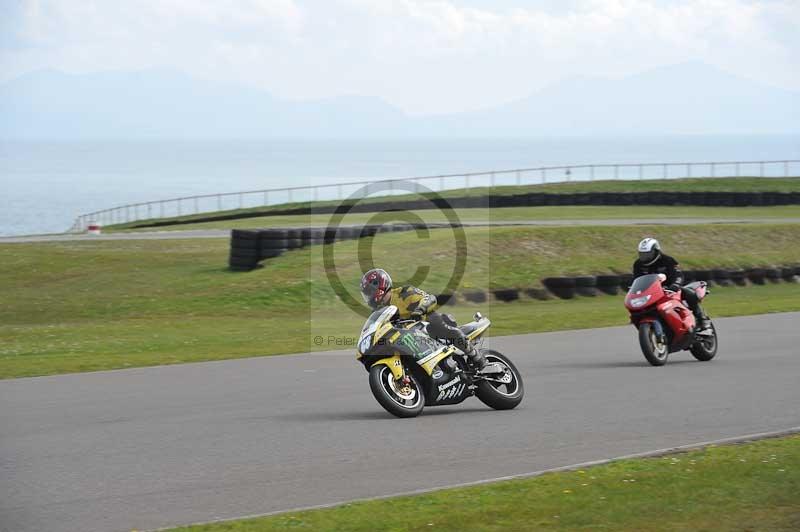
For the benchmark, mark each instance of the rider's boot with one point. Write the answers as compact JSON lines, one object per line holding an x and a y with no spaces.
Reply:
{"x":475,"y":357}
{"x":701,"y":317}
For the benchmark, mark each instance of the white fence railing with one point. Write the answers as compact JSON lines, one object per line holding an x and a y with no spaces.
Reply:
{"x":191,"y":205}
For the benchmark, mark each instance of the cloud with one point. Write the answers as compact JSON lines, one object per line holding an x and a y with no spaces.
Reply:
{"x":423,"y":55}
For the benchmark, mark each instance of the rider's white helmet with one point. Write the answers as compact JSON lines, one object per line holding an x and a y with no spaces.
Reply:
{"x":649,"y":251}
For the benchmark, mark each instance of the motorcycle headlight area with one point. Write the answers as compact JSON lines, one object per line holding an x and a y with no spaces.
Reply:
{"x":364,"y":344}
{"x":639,"y":301}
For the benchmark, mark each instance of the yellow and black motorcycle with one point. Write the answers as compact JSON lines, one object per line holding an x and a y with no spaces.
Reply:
{"x":409,"y":370}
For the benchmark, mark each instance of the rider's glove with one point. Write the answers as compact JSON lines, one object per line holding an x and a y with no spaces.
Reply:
{"x":675,"y":287}
{"x":417,"y":314}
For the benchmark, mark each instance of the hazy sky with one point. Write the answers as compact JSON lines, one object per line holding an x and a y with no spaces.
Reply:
{"x":425,"y":56}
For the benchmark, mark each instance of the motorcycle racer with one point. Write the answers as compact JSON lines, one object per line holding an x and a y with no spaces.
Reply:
{"x":413,"y":303}
{"x":653,"y":260}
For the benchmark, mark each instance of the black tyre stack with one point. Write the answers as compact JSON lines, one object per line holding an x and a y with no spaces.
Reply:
{"x":445,"y":299}
{"x":475,"y":296}
{"x":722,"y":277}
{"x":586,"y":285}
{"x":245,"y":250}
{"x":273,"y":242}
{"x":739,"y":277}
{"x":756,"y":275}
{"x":608,"y":284}
{"x":311,"y":236}
{"x":506,"y":294}
{"x":790,"y":274}
{"x":773,"y":275}
{"x":294,"y":239}
{"x":562,"y":287}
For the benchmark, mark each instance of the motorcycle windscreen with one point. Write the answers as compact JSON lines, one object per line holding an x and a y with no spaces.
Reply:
{"x":641,"y":284}
{"x":377,"y":318}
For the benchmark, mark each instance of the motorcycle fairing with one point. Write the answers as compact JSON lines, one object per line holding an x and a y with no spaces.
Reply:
{"x":451,"y":392}
{"x":432,"y":360}
{"x":395,"y":365}
{"x":680,"y":320}
{"x":474,"y":329}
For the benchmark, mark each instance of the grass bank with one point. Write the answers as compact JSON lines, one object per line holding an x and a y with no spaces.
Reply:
{"x":753,"y":486}
{"x":506,"y":214}
{"x":81,"y":306}
{"x":721,"y":184}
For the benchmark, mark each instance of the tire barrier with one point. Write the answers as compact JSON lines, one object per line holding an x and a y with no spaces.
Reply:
{"x":561,"y":287}
{"x":722,"y":277}
{"x":506,"y":294}
{"x":756,"y":275}
{"x":445,"y":299}
{"x":245,"y":251}
{"x":703,"y":275}
{"x":625,"y":281}
{"x":475,"y":296}
{"x":530,"y":199}
{"x":608,"y":284}
{"x":538,"y":293}
{"x":586,"y":285}
{"x":294,"y":238}
{"x":773,"y":275}
{"x":250,"y":246}
{"x":790,"y":275}
{"x":739,"y":277}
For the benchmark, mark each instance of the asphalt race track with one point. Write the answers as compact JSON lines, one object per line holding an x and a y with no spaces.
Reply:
{"x":151,"y":447}
{"x":224,"y":233}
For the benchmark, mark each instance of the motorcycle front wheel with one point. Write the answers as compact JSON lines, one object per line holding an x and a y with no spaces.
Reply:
{"x":653,"y":349}
{"x":398,"y":399}
{"x":504,"y":391}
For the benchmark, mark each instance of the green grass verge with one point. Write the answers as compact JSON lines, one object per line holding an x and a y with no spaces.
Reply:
{"x":721,"y":184}
{"x":81,"y":306}
{"x":155,"y":339}
{"x":507,"y":214}
{"x":740,"y":487}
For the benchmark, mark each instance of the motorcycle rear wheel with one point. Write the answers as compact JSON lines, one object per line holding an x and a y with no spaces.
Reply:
{"x":706,"y":346}
{"x":396,"y":401}
{"x":654,"y":351}
{"x":497,"y":395}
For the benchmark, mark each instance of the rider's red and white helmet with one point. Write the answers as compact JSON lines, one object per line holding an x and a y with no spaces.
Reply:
{"x":374,"y":285}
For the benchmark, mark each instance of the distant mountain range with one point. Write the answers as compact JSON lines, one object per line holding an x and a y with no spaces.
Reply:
{"x":689,"y":98}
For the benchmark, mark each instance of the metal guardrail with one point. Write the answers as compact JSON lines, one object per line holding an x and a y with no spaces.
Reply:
{"x":191,"y":205}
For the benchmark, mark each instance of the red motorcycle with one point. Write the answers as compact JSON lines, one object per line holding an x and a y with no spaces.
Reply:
{"x":665,"y":323}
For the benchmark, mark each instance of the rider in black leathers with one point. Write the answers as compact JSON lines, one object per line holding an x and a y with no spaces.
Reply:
{"x":652,"y":260}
